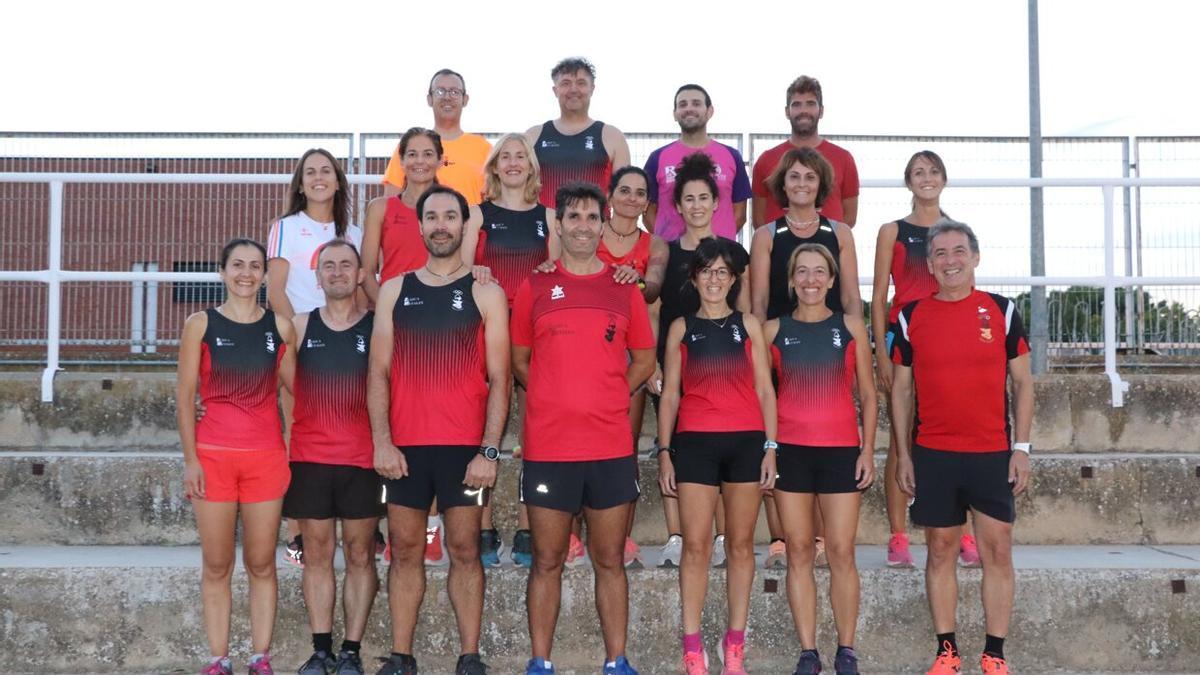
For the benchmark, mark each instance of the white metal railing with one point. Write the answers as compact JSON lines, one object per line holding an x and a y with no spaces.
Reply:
{"x":54,"y":276}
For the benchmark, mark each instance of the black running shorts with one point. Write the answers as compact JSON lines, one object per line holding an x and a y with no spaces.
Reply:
{"x":712,"y":458}
{"x":817,"y":470}
{"x":949,"y":483}
{"x":436,"y":471}
{"x":570,"y":486}
{"x":321,"y":491}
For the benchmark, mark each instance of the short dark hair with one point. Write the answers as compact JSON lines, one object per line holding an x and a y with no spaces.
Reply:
{"x":573,"y":64}
{"x":227,"y":249}
{"x":447,"y":71}
{"x":710,"y":250}
{"x":805,"y":85}
{"x":686,"y":87}
{"x":620,"y":173}
{"x":806,"y":157}
{"x":339,"y":242}
{"x":437,"y":189}
{"x":696,"y":166}
{"x":946,"y":226}
{"x":574,"y":192}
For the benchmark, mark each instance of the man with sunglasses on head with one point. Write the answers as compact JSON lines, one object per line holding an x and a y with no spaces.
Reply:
{"x":464,"y":154}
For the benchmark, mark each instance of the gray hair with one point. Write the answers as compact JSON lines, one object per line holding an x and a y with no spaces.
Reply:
{"x":946,"y":225}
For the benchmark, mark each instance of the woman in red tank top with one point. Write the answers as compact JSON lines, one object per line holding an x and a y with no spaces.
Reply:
{"x":234,"y":459}
{"x":392,"y":243}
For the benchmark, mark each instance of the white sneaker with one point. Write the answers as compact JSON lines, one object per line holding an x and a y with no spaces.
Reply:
{"x":718,"y":552}
{"x":672,"y":552}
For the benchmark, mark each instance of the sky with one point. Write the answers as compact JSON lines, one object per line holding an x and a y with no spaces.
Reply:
{"x":945,"y":67}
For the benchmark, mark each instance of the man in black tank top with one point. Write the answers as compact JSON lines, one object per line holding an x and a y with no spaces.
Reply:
{"x":575,"y":147}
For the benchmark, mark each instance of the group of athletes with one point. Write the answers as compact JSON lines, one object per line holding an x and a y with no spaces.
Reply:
{"x":546,"y":267}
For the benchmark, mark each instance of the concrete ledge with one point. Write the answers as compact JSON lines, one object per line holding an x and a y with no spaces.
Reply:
{"x":129,"y":498}
{"x":136,"y":411}
{"x":123,"y":609}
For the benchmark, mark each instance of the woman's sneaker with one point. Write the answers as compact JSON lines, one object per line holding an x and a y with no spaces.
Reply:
{"x":261,"y":665}
{"x":320,"y":663}
{"x":672,"y":552}
{"x":898,"y":554}
{"x":968,"y":552}
{"x":846,"y":662}
{"x":348,"y":663}
{"x":293,"y":553}
{"x":718,"y":552}
{"x":220,"y":666}
{"x":695,"y":663}
{"x":522,"y":548}
{"x":490,"y":547}
{"x":809,"y":664}
{"x":734,"y":658}
{"x":776,"y":556}
{"x":575,"y":552}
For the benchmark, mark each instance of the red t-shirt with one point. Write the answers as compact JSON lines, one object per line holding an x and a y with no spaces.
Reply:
{"x":959,"y":353}
{"x":845,"y":179}
{"x":403,"y":248}
{"x":579,"y":328}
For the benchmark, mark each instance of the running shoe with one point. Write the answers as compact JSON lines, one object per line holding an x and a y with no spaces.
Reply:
{"x":819,"y":557}
{"x":846,"y":662}
{"x":293,"y":553}
{"x":718,"y":552}
{"x":968,"y":552}
{"x":734,"y":658}
{"x":695,"y":663}
{"x":490,"y":547}
{"x":522,"y":549}
{"x":320,"y":663}
{"x":633,"y":554}
{"x":620,"y":667}
{"x":397,"y":664}
{"x":221,"y":666}
{"x":539,"y":666}
{"x":348,"y":663}
{"x":470,"y":664}
{"x":381,"y":546}
{"x":809,"y":664}
{"x":776,"y":556}
{"x":898,"y":554}
{"x":575,"y":552}
{"x":947,"y":662}
{"x":261,"y":665}
{"x":433,"y":546}
{"x":672,"y":552}
{"x":992,"y":665}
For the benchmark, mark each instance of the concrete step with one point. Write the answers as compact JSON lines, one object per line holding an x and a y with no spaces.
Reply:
{"x":129,"y":498}
{"x":137,"y":411}
{"x":135,"y":609}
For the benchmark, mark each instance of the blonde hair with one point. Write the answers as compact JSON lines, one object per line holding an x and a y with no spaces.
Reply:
{"x":533,"y":183}
{"x":810,"y":247}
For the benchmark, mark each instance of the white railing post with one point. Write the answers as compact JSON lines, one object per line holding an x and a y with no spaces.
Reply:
{"x":1119,"y":386}
{"x":53,"y":291}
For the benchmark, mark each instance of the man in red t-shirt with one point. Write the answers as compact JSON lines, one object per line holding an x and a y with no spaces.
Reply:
{"x":581,"y":345}
{"x":958,"y":348}
{"x":805,"y":108}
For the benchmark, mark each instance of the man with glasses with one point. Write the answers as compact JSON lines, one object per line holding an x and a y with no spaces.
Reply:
{"x":464,"y":154}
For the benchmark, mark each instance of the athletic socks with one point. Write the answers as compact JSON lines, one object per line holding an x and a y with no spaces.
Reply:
{"x":943,"y":638}
{"x":735,"y":637}
{"x":322,"y":642}
{"x":352,"y":646}
{"x":993,"y":646}
{"x":692,"y":642}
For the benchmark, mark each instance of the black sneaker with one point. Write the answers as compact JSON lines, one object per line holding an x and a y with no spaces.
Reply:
{"x":320,"y":663}
{"x":522,"y":550}
{"x":398,"y":664}
{"x":490,"y":547}
{"x":809,"y":664}
{"x":846,"y":662}
{"x":294,"y":552}
{"x":470,"y":664}
{"x":349,"y":663}
{"x":380,"y":545}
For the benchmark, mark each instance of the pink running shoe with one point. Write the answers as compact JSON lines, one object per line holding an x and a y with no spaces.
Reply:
{"x":898,"y":554}
{"x":633,"y":553}
{"x":968,"y":552}
{"x":734,"y":658}
{"x":695,"y":663}
{"x":261,"y":666}
{"x":220,"y":666}
{"x":575,"y":552}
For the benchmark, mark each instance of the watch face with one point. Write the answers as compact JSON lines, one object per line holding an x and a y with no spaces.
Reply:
{"x":491,"y":452}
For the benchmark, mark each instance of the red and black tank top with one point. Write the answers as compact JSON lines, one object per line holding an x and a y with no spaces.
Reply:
{"x":637,"y":257}
{"x":815,"y":363}
{"x":910,"y":273}
{"x":779,"y":301}
{"x":512,"y":243}
{"x":439,"y":372}
{"x":239,"y":366}
{"x":331,"y":423}
{"x":717,"y":369}
{"x":578,"y":157}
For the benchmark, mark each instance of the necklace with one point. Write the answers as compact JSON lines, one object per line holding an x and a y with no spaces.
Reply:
{"x":719,"y":324}
{"x":801,"y":224}
{"x":446,"y":275}
{"x":619,"y":235}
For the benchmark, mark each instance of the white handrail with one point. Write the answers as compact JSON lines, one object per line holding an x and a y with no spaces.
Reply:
{"x":54,"y":276}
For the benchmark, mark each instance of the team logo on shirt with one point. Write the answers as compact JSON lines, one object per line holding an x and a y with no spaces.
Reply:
{"x":669,"y":174}
{"x":549,"y":144}
{"x":497,"y":226}
{"x":456,"y":301}
{"x":588,"y":143}
{"x":541,"y":229}
{"x":360,"y":344}
{"x":985,"y":325}
{"x":557,"y":293}
{"x":837,"y":338}
{"x":789,"y":341}
{"x":270,"y":342}
{"x":412,"y":302}
{"x":310,"y":343}
{"x":737,"y":333}
{"x":916,"y":240}
{"x":611,"y":330}
{"x":224,"y":342}
{"x":696,"y":337}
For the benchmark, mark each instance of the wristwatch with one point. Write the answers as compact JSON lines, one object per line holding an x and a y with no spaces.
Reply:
{"x":1022,"y":447}
{"x":770,"y":445}
{"x":489,"y":452}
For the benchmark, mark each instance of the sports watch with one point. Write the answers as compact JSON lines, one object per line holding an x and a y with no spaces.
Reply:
{"x":1022,"y":447}
{"x":489,"y":452}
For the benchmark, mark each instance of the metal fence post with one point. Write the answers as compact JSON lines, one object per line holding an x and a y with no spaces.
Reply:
{"x":1140,"y":328}
{"x":1110,"y":304}
{"x":1039,"y":332}
{"x":1130,"y":333}
{"x":53,"y":291}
